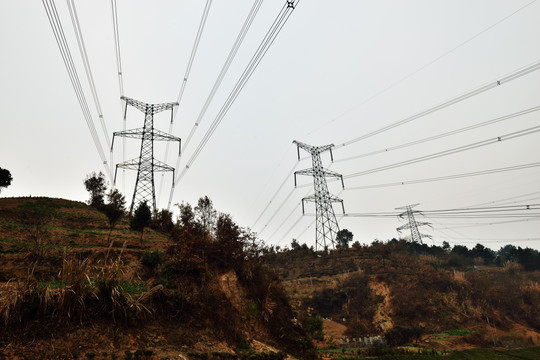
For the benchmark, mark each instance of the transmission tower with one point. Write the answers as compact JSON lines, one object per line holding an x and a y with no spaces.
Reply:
{"x":146,"y":164}
{"x":327,"y":226}
{"x":416,"y":236}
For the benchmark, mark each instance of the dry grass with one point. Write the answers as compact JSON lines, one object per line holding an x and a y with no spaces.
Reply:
{"x":84,"y":288}
{"x":459,"y":276}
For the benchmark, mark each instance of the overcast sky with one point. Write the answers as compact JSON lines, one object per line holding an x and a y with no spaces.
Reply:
{"x":337,"y":71}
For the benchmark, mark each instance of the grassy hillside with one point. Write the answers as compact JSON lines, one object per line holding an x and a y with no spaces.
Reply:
{"x":201,"y":287}
{"x":69,"y":290}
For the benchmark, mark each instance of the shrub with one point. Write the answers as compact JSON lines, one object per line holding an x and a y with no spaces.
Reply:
{"x":314,"y":327}
{"x":400,"y":335}
{"x":152,"y":259}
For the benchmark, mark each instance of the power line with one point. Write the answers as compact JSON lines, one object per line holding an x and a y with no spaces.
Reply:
{"x":495,"y":211}
{"x":490,"y":223}
{"x":451,"y":151}
{"x":232,"y":53}
{"x":248,"y":71}
{"x":443,"y":135}
{"x":448,"y":177}
{"x":278,"y":209}
{"x":303,"y":231}
{"x":184,"y":82}
{"x":274,"y":197}
{"x":488,"y":240}
{"x":512,"y":76}
{"x":117,"y":50}
{"x":88,"y":69}
{"x":58,"y":31}
{"x":267,"y":41}
{"x":287,"y":218}
{"x":120,"y":82}
{"x":510,"y":198}
{"x":469,"y":208}
{"x":239,"y":39}
{"x":290,"y":228}
{"x":425,"y":65}
{"x":277,"y":191}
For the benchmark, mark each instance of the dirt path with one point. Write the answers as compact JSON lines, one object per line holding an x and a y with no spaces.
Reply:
{"x":382,"y":318}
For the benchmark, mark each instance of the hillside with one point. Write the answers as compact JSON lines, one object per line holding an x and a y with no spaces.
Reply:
{"x":426,"y":296}
{"x":67,"y":292}
{"x":201,"y":287}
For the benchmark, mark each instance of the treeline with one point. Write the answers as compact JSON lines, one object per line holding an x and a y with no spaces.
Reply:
{"x":479,"y":254}
{"x":456,"y":256}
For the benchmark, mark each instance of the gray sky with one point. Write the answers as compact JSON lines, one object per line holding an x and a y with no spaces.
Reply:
{"x":337,"y":71}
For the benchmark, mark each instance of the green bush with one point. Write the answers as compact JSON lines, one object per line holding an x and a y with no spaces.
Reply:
{"x":314,"y":326}
{"x":152,"y":259}
{"x":400,"y":335}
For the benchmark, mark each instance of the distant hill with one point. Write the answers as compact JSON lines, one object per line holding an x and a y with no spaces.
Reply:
{"x":413,"y":293}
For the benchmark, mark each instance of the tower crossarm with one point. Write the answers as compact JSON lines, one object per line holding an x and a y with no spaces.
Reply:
{"x":157,"y":135}
{"x":319,"y":172}
{"x":133,"y":164}
{"x":139,"y":133}
{"x":313,"y":150}
{"x":148,"y":108}
{"x":403,"y":227}
{"x":130,"y":164}
{"x":330,"y":198}
{"x":407,"y":207}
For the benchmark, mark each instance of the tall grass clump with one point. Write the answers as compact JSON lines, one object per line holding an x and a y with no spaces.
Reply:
{"x":85,"y":290}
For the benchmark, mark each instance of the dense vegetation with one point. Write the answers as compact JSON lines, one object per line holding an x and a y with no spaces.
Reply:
{"x":74,"y":276}
{"x":199,"y":277}
{"x":429,"y":289}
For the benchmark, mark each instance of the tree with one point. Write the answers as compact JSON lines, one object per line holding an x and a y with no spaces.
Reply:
{"x":206,"y":215}
{"x":482,"y":252}
{"x":5,"y":178}
{"x":460,"y":250}
{"x":344,"y":237}
{"x":96,"y":185}
{"x":228,"y":240}
{"x":186,"y":217}
{"x":115,"y":208}
{"x":141,"y":218}
{"x":162,"y":221}
{"x":446,"y":246}
{"x":295,"y":245}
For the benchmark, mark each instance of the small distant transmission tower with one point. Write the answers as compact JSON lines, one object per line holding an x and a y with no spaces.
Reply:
{"x":146,"y":164}
{"x":416,"y":236}
{"x":327,"y":226}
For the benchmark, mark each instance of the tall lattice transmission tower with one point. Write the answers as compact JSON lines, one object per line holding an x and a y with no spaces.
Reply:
{"x":327,"y":225}
{"x":412,"y":224}
{"x":146,"y":164}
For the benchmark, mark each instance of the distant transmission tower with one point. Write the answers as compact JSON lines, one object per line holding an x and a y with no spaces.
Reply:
{"x":416,"y":236}
{"x":146,"y":164}
{"x":327,"y":226}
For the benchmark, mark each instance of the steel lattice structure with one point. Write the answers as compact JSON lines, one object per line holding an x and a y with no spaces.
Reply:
{"x":412,"y":224}
{"x":146,"y":164}
{"x":327,"y":225}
